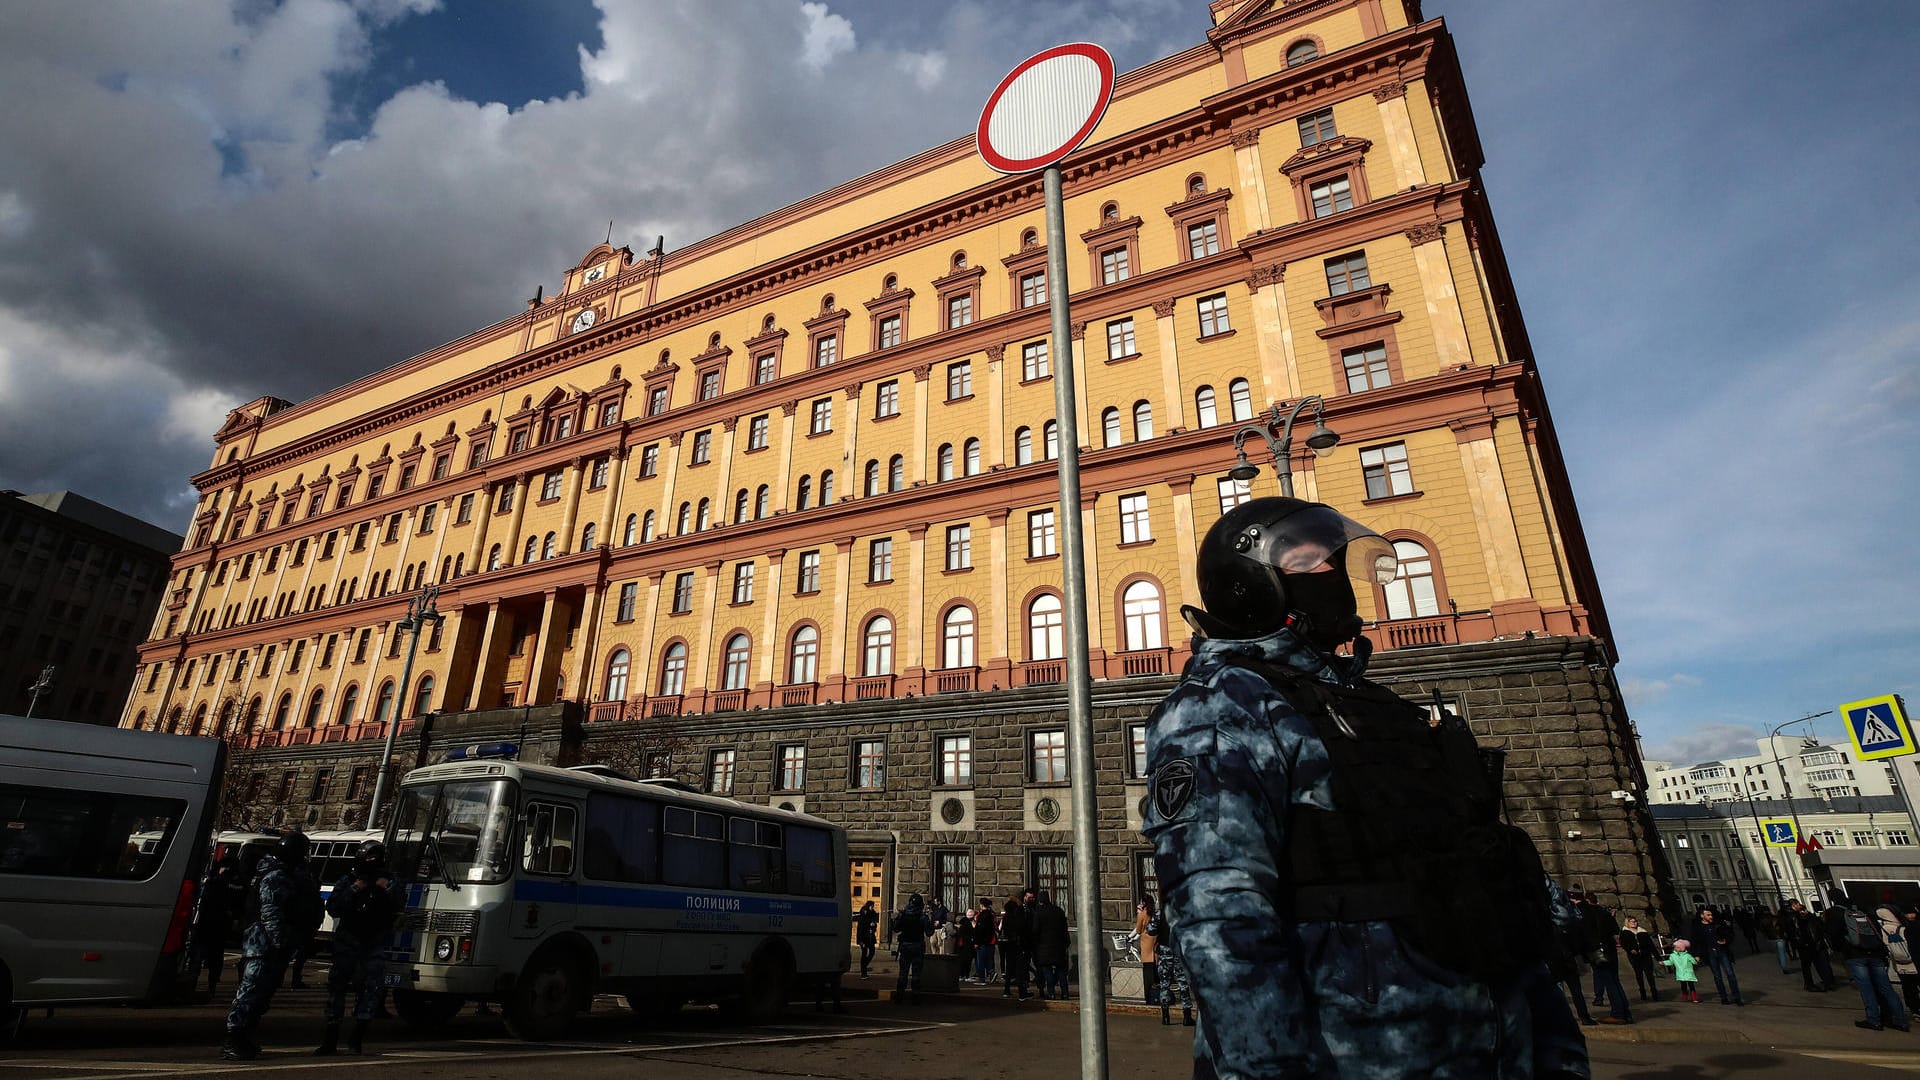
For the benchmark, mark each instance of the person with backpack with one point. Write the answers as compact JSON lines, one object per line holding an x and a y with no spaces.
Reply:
{"x":1713,"y":942}
{"x":985,"y":937}
{"x":1855,"y":938}
{"x":1896,"y":932}
{"x":284,"y":904}
{"x":1810,"y":938}
{"x":866,"y":929}
{"x":911,"y":929}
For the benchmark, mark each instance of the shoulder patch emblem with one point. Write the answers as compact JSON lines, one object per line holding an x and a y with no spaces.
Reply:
{"x":1172,"y":787}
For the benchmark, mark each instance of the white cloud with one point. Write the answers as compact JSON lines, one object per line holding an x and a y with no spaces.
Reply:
{"x":1706,"y":742}
{"x":828,"y":36}
{"x":1641,"y":692}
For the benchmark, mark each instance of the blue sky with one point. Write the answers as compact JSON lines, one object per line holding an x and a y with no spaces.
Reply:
{"x":1709,"y":210}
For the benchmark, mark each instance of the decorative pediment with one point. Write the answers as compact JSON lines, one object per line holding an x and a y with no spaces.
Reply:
{"x":238,"y":421}
{"x":890,"y":298}
{"x":1340,"y":148}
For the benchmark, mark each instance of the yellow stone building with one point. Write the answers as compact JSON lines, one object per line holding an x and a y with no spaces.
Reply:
{"x":810,"y":459}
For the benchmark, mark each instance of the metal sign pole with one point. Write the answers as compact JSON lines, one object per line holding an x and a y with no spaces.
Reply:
{"x":1086,"y":835}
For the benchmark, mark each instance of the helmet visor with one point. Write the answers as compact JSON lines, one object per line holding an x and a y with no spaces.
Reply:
{"x":1303,"y":542}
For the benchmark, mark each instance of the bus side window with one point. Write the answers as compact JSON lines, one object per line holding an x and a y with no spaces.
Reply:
{"x":809,"y":861}
{"x":623,"y":839}
{"x":694,"y":852}
{"x":549,"y":842}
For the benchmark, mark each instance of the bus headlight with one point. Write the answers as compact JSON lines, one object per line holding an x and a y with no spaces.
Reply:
{"x":443,"y":950}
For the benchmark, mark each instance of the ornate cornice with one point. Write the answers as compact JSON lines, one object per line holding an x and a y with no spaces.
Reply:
{"x":1269,"y":274}
{"x":1388,"y":91}
{"x":1426,"y":233}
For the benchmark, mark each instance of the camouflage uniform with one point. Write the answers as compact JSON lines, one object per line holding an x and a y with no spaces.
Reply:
{"x":286,"y":894}
{"x":1278,"y":998}
{"x":362,"y":920}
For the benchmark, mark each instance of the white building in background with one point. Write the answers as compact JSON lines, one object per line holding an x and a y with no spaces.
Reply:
{"x":1714,"y":847}
{"x":1787,"y":766}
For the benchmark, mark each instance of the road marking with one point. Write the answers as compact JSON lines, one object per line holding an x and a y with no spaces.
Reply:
{"x":1901,"y":1060}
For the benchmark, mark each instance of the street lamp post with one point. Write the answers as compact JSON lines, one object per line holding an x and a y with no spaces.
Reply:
{"x":1786,"y":785}
{"x":1322,"y":440}
{"x":420,"y":614}
{"x":40,"y":686}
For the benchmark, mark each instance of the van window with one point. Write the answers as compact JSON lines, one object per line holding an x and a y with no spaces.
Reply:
{"x":755,"y":862}
{"x":809,"y":861}
{"x":55,"y":833}
{"x":548,"y":848}
{"x":695,"y":852}
{"x":623,"y":839}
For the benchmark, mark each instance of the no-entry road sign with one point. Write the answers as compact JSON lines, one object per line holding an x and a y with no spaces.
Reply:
{"x":1045,"y":107}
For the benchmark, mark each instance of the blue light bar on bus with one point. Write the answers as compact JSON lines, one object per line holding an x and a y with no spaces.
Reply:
{"x":483,"y":750}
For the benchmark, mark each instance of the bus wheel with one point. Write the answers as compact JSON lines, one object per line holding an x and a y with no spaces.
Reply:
{"x":545,"y":998}
{"x":425,"y":1011}
{"x":769,"y":979}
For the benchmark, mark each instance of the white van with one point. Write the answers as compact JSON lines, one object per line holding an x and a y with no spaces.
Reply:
{"x":104,"y":834}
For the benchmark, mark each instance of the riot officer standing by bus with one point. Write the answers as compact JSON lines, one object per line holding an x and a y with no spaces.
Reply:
{"x":363,"y":907}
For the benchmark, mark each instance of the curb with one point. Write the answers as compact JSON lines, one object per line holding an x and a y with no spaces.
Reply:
{"x":1034,"y":1004}
{"x":1663,"y":1035}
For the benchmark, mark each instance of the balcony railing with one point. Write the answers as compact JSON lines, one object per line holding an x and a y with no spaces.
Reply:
{"x":1412,"y":633}
{"x":953,"y":680}
{"x":1145,"y":662}
{"x":1042,"y":672}
{"x":796,"y":695}
{"x":605,"y":710}
{"x":664,"y":706}
{"x":726,"y":701}
{"x":873,"y":687}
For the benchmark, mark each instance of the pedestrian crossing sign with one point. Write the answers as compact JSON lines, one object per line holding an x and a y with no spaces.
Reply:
{"x":1779,"y":832}
{"x":1879,"y":727}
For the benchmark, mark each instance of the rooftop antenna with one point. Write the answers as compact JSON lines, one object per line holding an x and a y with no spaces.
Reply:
{"x":609,"y":233}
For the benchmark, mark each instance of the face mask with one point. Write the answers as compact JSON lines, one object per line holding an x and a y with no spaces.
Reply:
{"x":1326,"y":599}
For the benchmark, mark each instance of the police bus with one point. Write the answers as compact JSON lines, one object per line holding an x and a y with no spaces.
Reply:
{"x":537,"y":887}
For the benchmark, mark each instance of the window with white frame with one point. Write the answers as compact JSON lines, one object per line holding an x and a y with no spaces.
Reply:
{"x":1203,"y":239}
{"x":959,"y":311}
{"x":720,"y":772}
{"x":1034,"y":361}
{"x":683,"y":592}
{"x":803,"y":659}
{"x":1205,"y":412}
{"x":1213,"y":315}
{"x":820,"y":417}
{"x":959,"y":547}
{"x":956,"y":638}
{"x":808,"y":580}
{"x":869,"y":764}
{"x":889,"y":332}
{"x":1050,"y":440}
{"x":1141,"y":621}
{"x":959,"y":380}
{"x":1317,"y":127}
{"x":880,"y":560}
{"x":1331,"y":196}
{"x":617,"y":668}
{"x":1115,"y":266}
{"x":886,"y":399}
{"x":943,"y":462}
{"x":764,"y":369}
{"x":734,"y":668}
{"x":1134,"y":526}
{"x":793,"y":767}
{"x":629,"y":593}
{"x":1120,"y":341}
{"x":1137,"y":751}
{"x":702,"y":448}
{"x":1386,"y":471}
{"x":956,"y":760}
{"x":1234,"y":492}
{"x":1142,"y":421}
{"x":1023,"y":446}
{"x":743,"y":583}
{"x":1347,"y":273}
{"x":1110,"y":426}
{"x":970,"y":460}
{"x":1046,"y":626}
{"x":877,"y":647}
{"x":1240,"y":394}
{"x":826,"y":351}
{"x":673,"y":670}
{"x":1041,"y":539}
{"x":1047,"y":756}
{"x":1033,"y":289}
{"x":1366,"y":367}
{"x":1411,"y":593}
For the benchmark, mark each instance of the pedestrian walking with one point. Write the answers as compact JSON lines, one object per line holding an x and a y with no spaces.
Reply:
{"x":1575,"y":947}
{"x":1854,"y":937}
{"x":986,"y":938}
{"x":221,"y":891}
{"x":1149,"y":956}
{"x":963,"y":941}
{"x":364,"y":908}
{"x":1013,"y":949}
{"x":866,"y":930}
{"x":1810,"y":937}
{"x":1682,"y":964}
{"x":1603,"y":934}
{"x":284,"y":903}
{"x":1172,"y":971}
{"x":1713,"y":942}
{"x":1896,"y":934}
{"x":1643,"y":953}
{"x":911,"y":929}
{"x":1050,"y":936}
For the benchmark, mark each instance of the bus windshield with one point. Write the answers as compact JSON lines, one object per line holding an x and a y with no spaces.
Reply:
{"x":456,"y":831}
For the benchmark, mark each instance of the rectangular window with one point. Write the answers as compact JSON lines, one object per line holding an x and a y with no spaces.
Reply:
{"x":709,"y":385}
{"x":1033,"y":289}
{"x":465,"y":513}
{"x":326,"y":546}
{"x":1898,"y":838}
{"x":889,"y":332}
{"x":1120,"y":339}
{"x":562,"y":427}
{"x":1234,"y":492}
{"x":793,"y":767}
{"x":59,"y":832}
{"x":820,"y":418}
{"x":886,"y":399}
{"x":953,"y":879}
{"x":1386,"y":471}
{"x":683,"y":592}
{"x":1034,"y":361}
{"x":826,"y":350}
{"x":869,"y":764}
{"x":959,"y":311}
{"x":764,"y":370}
{"x":743,"y":583}
{"x":623,"y":839}
{"x":808,"y":580}
{"x":1146,"y":877}
{"x":1331,"y":196}
{"x":299,"y":653}
{"x":406,"y":477}
{"x":956,"y":760}
{"x":1317,"y":127}
{"x":427,"y":513}
{"x":1114,"y":266}
{"x":393,"y":529}
{"x":720,"y":772}
{"x":693,"y":853}
{"x":1366,"y":368}
{"x":477,"y":456}
{"x":1137,"y":751}
{"x":1213,"y":315}
{"x":442,"y":466}
{"x":629,"y":592}
{"x":1047,"y":756}
{"x":1134,"y":527}
{"x":1041,"y":540}
{"x":959,"y":380}
{"x":326,"y":656}
{"x":1052,"y":873}
{"x":322,"y":780}
{"x":757,"y":433}
{"x":610,"y":414}
{"x":656,"y":401}
{"x":1347,"y":273}
{"x":1203,"y":239}
{"x":518,"y":440}
{"x":959,"y":547}
{"x":650,"y":460}
{"x":597,"y":478}
{"x":550,"y":486}
{"x":503,"y":502}
{"x":702,"y":448}
{"x":880,"y":560}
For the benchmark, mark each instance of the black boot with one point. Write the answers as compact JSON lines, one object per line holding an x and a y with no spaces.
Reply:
{"x":356,"y":1038}
{"x":1166,"y":1015}
{"x":239,"y":1047}
{"x":1186,"y":1017}
{"x":329,"y":1042}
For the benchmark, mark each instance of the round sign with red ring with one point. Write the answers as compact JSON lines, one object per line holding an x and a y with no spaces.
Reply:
{"x":1045,"y":107}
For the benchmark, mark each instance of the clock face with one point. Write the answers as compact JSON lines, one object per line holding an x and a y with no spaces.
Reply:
{"x":583,"y":320}
{"x":596,"y":273}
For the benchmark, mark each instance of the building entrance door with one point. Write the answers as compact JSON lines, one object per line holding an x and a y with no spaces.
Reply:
{"x":865,"y":881}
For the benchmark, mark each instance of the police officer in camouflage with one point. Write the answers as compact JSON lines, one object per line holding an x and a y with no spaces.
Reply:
{"x":363,"y":907}
{"x":1349,"y":903}
{"x":282,"y":902}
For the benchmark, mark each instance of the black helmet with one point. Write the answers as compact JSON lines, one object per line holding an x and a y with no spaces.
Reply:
{"x":294,"y":846}
{"x":370,"y":853}
{"x":1256,"y":547}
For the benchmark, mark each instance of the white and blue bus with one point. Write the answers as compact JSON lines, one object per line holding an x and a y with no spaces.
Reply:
{"x":538,"y":887}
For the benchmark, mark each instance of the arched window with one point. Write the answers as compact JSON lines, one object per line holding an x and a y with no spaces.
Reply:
{"x":1050,"y":440}
{"x":1110,"y":426}
{"x":313,"y":708}
{"x":1046,"y":626}
{"x":973,"y":457}
{"x":446,"y":568}
{"x":199,"y":720}
{"x":684,"y":523}
{"x":1023,"y":446}
{"x":617,"y":665}
{"x":493,"y":557}
{"x":1241,"y":395}
{"x":140,"y":720}
{"x":630,"y":533}
{"x":1140,"y":615}
{"x":943,"y":468}
{"x":740,"y":505}
{"x":283,"y":711}
{"x":459,"y":564}
{"x":733,"y":674}
{"x":1692,"y":868}
{"x":1300,"y":52}
{"x":533,"y":548}
{"x":173,"y":723}
{"x":872,"y":485}
{"x":1203,"y":407}
{"x":348,"y":701}
{"x":1411,"y":595}
{"x":826,"y":487}
{"x":704,"y":519}
{"x":587,"y":536}
{"x":406,"y":580}
{"x":383,"y":705}
{"x":253,"y":713}
{"x":1142,"y":421}
{"x":956,"y":638}
{"x":423,"y":696}
{"x":803,"y":494}
{"x":803,"y":659}
{"x":878,"y":656}
{"x":762,"y":502}
{"x":549,"y":547}
{"x":646,"y":527}
{"x":897,"y":473}
{"x":673,"y":670}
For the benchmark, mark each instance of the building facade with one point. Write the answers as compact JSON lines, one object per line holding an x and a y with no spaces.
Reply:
{"x":1785,"y":767}
{"x":782,"y":505}
{"x":79,"y":585}
{"x":1717,"y":854}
